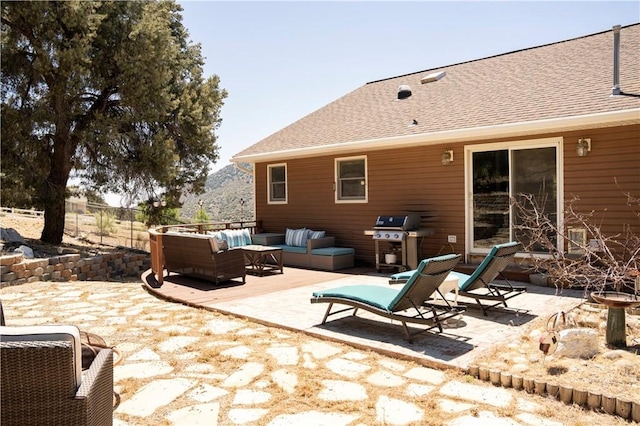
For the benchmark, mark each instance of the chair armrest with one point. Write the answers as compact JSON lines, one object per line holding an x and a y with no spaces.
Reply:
{"x":97,"y":388}
{"x":320,"y":242}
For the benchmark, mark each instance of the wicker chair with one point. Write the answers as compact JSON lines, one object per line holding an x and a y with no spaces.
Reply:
{"x":42,"y":383}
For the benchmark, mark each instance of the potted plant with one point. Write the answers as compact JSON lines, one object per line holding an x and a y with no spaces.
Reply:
{"x":391,"y":256}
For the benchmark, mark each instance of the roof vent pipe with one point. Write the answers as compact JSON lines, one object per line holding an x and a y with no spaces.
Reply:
{"x":615,"y":91}
{"x":404,"y":91}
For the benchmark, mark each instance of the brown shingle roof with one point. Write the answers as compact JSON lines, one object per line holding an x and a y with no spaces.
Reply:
{"x":559,"y":80}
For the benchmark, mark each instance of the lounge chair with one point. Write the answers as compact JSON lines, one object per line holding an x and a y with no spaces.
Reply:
{"x":479,"y":285}
{"x":407,"y":304}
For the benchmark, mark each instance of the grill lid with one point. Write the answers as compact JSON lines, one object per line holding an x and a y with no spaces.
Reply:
{"x":408,"y":222}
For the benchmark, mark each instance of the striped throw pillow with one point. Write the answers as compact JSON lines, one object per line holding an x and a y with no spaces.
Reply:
{"x":296,"y":237}
{"x":313,"y":235}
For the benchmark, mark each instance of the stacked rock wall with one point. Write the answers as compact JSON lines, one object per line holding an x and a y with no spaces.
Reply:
{"x":16,"y":270}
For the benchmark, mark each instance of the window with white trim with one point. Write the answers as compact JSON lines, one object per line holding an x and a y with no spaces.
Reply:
{"x":277,"y":183}
{"x":351,"y":179}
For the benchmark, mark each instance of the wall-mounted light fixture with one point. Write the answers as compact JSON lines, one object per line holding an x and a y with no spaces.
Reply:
{"x":447,"y":157}
{"x":584,"y":146}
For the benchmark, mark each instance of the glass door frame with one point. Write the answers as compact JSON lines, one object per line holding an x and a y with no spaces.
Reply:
{"x":510,"y":146}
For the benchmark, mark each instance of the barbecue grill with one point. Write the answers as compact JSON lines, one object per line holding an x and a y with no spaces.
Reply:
{"x":399,"y":232}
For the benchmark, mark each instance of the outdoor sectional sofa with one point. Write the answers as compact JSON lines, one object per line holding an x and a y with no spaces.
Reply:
{"x":317,"y":253}
{"x":300,"y":247}
{"x":217,"y":255}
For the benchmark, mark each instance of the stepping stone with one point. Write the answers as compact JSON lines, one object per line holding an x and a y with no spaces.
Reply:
{"x":145,"y":354}
{"x":180,"y":329}
{"x":150,"y":323}
{"x":239,"y":352}
{"x":206,"y":393}
{"x":284,"y":355}
{"x":285,"y":379}
{"x":532,"y":419}
{"x":246,"y":415}
{"x":251,"y":397}
{"x":174,"y":344}
{"x":320,"y":350}
{"x":153,"y":396}
{"x":200,"y":368}
{"x":355,"y":356}
{"x":497,"y":397}
{"x":386,"y":379}
{"x":483,"y":418}
{"x":347,"y":368}
{"x":391,"y":411}
{"x":249,"y":332}
{"x":414,"y":389}
{"x":313,"y":418}
{"x":244,"y":375}
{"x":81,"y":318}
{"x":425,"y":374}
{"x":221,"y":326}
{"x":196,"y":415}
{"x":392,"y":365}
{"x":339,"y":390}
{"x":530,"y":406}
{"x":141,"y":370}
{"x":449,"y":406}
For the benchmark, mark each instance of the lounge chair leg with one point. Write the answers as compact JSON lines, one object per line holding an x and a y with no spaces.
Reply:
{"x":406,"y":332}
{"x":326,"y":314}
{"x":484,"y":312}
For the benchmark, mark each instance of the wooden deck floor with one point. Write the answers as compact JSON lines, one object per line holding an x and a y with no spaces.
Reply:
{"x":193,"y":291}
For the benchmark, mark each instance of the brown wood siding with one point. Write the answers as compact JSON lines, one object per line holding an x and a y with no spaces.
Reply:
{"x":602,"y":178}
{"x":414,"y":180}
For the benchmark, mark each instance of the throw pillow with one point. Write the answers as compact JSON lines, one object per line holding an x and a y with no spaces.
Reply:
{"x":296,"y":237}
{"x":314,"y":235}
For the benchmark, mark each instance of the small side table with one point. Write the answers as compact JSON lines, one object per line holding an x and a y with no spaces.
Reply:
{"x":259,"y":256}
{"x":449,"y":284}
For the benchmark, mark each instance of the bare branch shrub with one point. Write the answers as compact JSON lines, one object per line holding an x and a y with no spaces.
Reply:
{"x":597,"y":263}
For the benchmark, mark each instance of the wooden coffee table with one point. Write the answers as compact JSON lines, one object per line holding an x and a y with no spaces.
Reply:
{"x":259,"y":257}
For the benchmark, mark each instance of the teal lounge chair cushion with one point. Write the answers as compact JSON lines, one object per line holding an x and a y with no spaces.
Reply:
{"x":378,"y":296}
{"x":464,"y":280}
{"x":386,"y":298}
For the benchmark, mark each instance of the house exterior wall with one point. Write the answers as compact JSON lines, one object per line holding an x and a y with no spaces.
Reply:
{"x":414,"y":180}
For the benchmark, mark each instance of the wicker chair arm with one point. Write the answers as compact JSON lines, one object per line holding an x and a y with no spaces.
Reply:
{"x":97,"y":389}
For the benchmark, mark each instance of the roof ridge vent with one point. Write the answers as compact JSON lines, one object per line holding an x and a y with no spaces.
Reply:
{"x":404,"y":91}
{"x":434,"y":76}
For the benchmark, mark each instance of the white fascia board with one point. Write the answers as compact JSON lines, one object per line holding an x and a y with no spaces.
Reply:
{"x":605,"y":119}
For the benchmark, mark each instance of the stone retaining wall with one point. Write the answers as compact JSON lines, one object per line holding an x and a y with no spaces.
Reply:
{"x":16,"y":270}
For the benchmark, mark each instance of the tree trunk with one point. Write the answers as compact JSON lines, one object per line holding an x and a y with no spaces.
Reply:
{"x":54,"y":212}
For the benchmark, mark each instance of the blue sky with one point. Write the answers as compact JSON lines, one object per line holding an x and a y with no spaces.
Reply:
{"x":280,"y":61}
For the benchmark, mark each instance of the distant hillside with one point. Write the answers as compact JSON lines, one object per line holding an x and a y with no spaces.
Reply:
{"x":221,"y":200}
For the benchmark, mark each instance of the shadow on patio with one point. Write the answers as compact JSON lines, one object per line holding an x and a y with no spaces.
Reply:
{"x":283,"y":300}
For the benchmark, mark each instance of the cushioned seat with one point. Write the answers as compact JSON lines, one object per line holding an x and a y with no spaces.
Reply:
{"x":332,"y":251}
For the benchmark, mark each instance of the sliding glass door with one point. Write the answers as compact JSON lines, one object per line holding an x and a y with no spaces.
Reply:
{"x":498,"y":173}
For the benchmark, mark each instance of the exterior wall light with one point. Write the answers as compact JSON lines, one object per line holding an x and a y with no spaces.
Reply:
{"x":584,"y":146}
{"x":447,"y":157}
